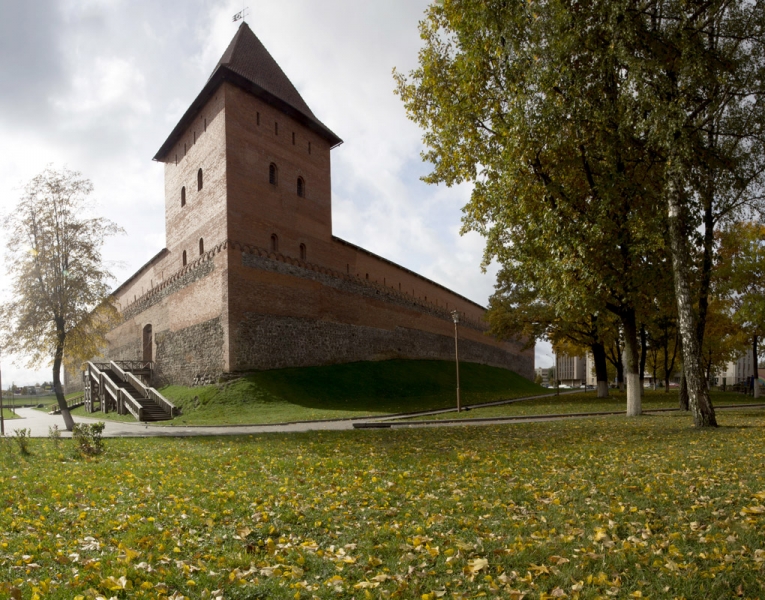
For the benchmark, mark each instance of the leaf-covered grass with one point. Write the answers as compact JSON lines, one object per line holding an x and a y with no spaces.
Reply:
{"x":586,"y":402}
{"x":342,"y":391}
{"x":609,"y":507}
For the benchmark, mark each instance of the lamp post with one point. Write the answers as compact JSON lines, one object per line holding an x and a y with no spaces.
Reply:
{"x":456,"y":319}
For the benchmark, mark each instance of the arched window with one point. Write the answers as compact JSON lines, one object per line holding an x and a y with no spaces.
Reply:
{"x":199,"y":179}
{"x":302,"y":252}
{"x":272,"y":174}
{"x":183,"y":196}
{"x":301,"y":187}
{"x":201,"y":246}
{"x":274,"y":242}
{"x":184,"y":258}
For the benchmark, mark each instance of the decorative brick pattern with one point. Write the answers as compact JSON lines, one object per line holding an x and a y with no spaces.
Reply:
{"x":347,"y":283}
{"x":185,"y":277}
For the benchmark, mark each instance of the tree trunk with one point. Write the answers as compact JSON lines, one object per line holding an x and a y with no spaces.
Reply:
{"x":643,"y":356}
{"x":698,"y":395}
{"x":683,"y":397}
{"x":601,"y":368}
{"x":632,"y":363}
{"x":619,"y":368}
{"x":670,"y":367}
{"x":68,"y":420}
{"x":755,"y":369}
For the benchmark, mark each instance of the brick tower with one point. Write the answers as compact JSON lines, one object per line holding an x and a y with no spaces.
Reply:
{"x":248,"y":161}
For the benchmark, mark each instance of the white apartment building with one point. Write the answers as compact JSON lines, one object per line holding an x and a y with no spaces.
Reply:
{"x":737,"y":371}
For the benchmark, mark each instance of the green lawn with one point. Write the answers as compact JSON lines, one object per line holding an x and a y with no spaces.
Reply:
{"x":594,"y":508}
{"x":342,"y":391}
{"x":30,"y":400}
{"x":586,"y":403}
{"x":7,"y":414}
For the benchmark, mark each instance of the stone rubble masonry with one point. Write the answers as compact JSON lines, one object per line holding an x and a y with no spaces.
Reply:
{"x":345,"y":319}
{"x":272,"y":342}
{"x":193,"y":354}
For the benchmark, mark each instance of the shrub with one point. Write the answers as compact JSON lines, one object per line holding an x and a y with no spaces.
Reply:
{"x":88,"y":438}
{"x":54,"y":433}
{"x":22,"y":437}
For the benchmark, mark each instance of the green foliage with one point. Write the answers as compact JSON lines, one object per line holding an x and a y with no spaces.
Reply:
{"x":88,"y":438}
{"x":590,"y":508}
{"x":22,"y":437}
{"x":742,"y":274}
{"x":54,"y":433}
{"x":584,"y":129}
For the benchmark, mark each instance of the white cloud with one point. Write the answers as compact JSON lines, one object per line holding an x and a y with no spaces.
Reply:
{"x":104,"y":85}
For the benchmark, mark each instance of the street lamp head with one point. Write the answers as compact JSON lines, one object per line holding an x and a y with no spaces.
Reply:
{"x":456,"y":316}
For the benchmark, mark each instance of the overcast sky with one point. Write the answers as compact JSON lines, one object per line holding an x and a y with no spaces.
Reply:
{"x":97,"y":85}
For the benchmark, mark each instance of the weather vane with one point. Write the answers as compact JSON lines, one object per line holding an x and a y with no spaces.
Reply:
{"x":241,"y":15}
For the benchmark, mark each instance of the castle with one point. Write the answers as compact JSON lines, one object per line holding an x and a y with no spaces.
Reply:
{"x":252,"y":277}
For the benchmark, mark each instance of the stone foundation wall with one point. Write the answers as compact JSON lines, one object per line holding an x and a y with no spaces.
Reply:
{"x":272,"y":342}
{"x":190,"y":356}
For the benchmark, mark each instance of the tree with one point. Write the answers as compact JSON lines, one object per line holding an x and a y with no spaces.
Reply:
{"x":619,"y":125}
{"x":698,"y":69}
{"x":528,"y":100}
{"x":519,"y":311}
{"x":742,"y":273}
{"x":60,"y":296}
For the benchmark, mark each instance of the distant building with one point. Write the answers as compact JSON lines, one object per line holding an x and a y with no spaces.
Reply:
{"x":571,"y":370}
{"x":544,"y":373}
{"x":737,"y":371}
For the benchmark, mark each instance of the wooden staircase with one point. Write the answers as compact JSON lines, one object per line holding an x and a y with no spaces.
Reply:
{"x":119,"y":386}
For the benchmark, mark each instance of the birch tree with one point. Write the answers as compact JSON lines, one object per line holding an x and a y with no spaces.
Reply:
{"x":60,"y":303}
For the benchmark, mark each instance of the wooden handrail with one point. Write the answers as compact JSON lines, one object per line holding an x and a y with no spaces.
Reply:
{"x":166,"y":405}
{"x":131,"y":404}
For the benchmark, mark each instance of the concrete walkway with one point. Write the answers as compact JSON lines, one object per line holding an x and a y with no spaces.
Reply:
{"x":39,"y":423}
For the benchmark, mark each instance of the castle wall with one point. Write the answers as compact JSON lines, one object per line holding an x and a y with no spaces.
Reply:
{"x":187,"y":316}
{"x":285,"y":314}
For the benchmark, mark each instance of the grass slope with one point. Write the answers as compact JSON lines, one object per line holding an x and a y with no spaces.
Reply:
{"x":342,"y":391}
{"x":589,"y":509}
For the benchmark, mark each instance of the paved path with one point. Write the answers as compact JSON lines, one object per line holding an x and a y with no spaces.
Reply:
{"x":39,"y":423}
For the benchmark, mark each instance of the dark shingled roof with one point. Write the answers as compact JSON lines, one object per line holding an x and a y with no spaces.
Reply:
{"x":247,"y":64}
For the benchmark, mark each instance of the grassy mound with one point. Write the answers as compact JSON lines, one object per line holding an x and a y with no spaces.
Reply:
{"x":348,"y":390}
